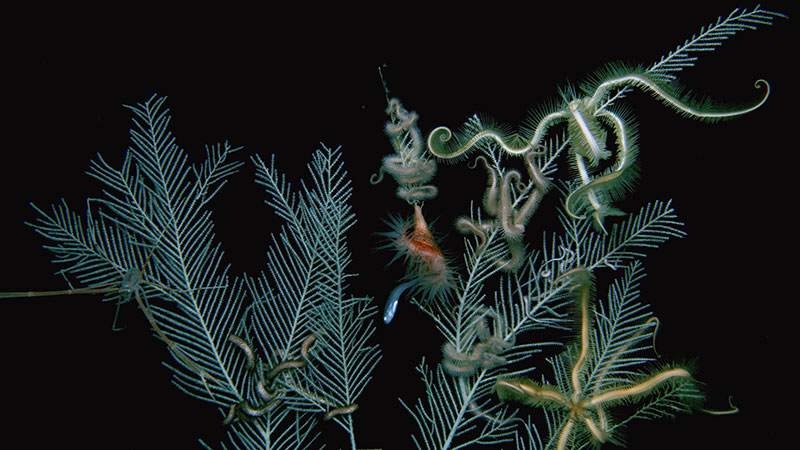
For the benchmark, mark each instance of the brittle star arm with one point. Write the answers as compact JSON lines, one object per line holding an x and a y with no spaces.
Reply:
{"x":647,"y":84}
{"x":637,"y":389}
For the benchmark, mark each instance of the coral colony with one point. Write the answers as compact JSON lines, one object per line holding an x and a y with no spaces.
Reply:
{"x":279,"y":354}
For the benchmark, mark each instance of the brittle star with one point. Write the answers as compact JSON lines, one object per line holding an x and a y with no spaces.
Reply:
{"x":582,"y":408}
{"x":587,"y":117}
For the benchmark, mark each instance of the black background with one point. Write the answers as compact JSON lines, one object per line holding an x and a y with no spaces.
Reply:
{"x":282,"y":82}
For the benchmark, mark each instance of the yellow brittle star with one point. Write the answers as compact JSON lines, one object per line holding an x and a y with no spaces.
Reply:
{"x":583,"y":403}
